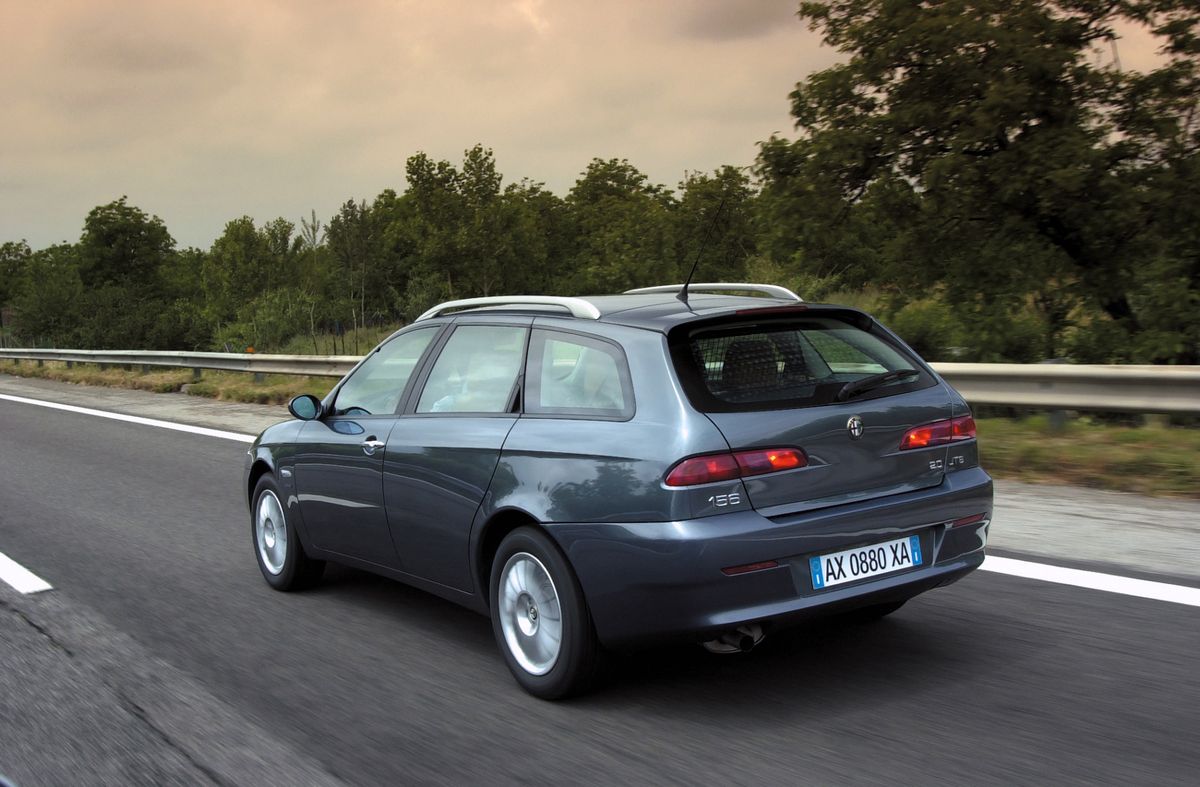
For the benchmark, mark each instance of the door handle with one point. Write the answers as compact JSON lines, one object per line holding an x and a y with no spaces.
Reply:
{"x":371,"y":445}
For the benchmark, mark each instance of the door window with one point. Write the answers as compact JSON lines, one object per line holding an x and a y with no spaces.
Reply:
{"x":376,"y":386}
{"x":476,"y":371}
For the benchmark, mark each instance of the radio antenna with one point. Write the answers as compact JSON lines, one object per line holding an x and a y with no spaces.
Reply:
{"x":683,"y":293}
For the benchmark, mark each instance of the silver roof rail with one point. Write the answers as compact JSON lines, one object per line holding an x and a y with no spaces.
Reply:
{"x":771,"y":290}
{"x":577,"y":307}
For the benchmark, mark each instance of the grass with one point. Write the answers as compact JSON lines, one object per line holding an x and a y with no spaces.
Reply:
{"x":1154,"y":459}
{"x":328,"y":344}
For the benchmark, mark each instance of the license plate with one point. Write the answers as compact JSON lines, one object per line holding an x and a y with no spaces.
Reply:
{"x":862,"y":562}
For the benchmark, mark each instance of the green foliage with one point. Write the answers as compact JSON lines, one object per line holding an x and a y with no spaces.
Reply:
{"x":622,"y":231}
{"x":1001,"y":159}
{"x":49,"y":297}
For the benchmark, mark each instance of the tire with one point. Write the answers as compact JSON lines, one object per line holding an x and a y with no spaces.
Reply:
{"x":523,"y":620}
{"x":875,"y":612}
{"x":277,"y":546}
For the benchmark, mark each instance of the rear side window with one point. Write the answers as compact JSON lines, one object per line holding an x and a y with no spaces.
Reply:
{"x":792,"y":363}
{"x":476,"y":371}
{"x":574,"y":375}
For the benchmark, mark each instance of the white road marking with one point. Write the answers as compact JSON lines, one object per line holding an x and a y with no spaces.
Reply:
{"x":135,"y":419}
{"x":1094,"y":580}
{"x":21,"y":578}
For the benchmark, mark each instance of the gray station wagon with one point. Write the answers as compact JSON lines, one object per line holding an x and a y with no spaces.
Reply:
{"x":607,"y":472}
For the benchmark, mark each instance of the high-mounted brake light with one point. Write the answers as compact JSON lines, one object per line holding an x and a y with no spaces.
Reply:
{"x":724,"y":467}
{"x":771,"y":310}
{"x":939,"y":433}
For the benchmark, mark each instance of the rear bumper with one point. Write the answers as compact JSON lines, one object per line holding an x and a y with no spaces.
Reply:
{"x":661,"y":581}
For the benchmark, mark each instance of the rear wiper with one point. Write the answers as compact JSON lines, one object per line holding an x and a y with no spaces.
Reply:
{"x":874,"y":381}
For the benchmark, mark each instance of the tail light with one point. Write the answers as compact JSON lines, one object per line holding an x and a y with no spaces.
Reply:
{"x":723,"y":467}
{"x":939,"y":433}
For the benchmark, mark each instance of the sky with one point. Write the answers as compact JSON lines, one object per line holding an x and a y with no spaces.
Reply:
{"x":202,"y":112}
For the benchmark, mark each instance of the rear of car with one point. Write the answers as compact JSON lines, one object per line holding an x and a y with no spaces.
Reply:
{"x":848,"y":478}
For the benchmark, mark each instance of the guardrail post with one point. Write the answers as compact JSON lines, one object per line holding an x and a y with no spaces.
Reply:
{"x":196,"y":373}
{"x":260,"y":377}
{"x":40,"y":363}
{"x":70,"y":364}
{"x":104,"y":367}
{"x":146,"y":368}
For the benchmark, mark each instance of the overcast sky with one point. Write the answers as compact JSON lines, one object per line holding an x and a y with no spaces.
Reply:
{"x":204,"y":111}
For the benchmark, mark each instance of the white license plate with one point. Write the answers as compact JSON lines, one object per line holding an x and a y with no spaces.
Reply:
{"x":862,"y":562}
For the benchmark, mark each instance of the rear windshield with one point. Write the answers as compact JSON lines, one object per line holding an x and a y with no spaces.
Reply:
{"x":793,"y":363}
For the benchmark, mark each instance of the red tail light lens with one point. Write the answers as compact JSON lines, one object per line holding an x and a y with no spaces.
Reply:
{"x":964,"y":428}
{"x":770,"y":460}
{"x":723,"y":467}
{"x":939,"y":432}
{"x":703,"y":470}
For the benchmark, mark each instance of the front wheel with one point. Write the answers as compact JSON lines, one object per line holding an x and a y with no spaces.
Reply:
{"x":277,"y":547}
{"x":540,"y":617}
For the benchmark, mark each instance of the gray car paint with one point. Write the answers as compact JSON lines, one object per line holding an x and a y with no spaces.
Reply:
{"x":648,"y":556}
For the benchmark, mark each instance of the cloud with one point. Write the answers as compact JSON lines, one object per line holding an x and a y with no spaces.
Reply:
{"x":722,"y":20}
{"x":205,"y":111}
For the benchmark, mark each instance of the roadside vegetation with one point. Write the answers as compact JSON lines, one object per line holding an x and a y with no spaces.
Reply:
{"x":988,"y":173}
{"x":1151,"y":458}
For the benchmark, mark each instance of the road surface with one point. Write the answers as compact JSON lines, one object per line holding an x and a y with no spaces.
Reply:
{"x":160,"y":656}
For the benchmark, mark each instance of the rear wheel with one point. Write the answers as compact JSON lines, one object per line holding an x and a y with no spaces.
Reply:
{"x":277,"y":547}
{"x":540,"y":618}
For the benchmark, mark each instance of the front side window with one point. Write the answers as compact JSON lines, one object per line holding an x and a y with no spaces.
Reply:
{"x":376,"y":386}
{"x":476,"y":371}
{"x":571,"y":374}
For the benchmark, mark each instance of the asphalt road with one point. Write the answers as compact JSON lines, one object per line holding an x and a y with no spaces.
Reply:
{"x":995,"y":679}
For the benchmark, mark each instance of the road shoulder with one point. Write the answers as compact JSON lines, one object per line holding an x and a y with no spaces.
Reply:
{"x":88,"y":704}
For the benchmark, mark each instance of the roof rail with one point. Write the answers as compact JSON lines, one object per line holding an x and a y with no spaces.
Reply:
{"x":771,"y":290}
{"x":578,"y":307}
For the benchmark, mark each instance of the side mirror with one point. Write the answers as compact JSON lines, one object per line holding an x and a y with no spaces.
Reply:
{"x":306,"y":407}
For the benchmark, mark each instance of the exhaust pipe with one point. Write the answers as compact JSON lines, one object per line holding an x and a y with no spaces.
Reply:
{"x":739,"y":640}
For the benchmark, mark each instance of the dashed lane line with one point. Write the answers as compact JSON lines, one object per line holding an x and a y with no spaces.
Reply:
{"x":1094,"y":580}
{"x":22,"y":579}
{"x":135,"y":419}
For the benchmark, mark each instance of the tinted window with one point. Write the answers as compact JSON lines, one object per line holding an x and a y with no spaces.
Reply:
{"x":796,"y":363}
{"x":577,"y":375}
{"x":377,"y":385}
{"x":476,"y":371}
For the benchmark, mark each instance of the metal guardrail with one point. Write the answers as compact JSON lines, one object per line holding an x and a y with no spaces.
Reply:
{"x":312,"y":365}
{"x":1132,"y":389}
{"x":1137,"y":389}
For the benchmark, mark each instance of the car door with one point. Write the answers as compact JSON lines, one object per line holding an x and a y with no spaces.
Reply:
{"x":339,"y":458}
{"x":442,"y":453}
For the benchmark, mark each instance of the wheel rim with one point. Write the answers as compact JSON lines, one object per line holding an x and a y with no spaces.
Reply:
{"x":530,"y":613}
{"x":270,"y":531}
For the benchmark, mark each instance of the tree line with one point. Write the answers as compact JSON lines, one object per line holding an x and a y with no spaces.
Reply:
{"x":981,"y":174}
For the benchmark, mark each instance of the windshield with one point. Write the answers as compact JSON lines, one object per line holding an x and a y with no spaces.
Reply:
{"x":793,"y":363}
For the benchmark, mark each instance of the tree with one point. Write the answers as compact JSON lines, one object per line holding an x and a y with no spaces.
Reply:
{"x":622,"y":229}
{"x":13,"y":259}
{"x":1012,"y":160}
{"x":714,"y":225}
{"x":120,"y":256}
{"x":49,"y":298}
